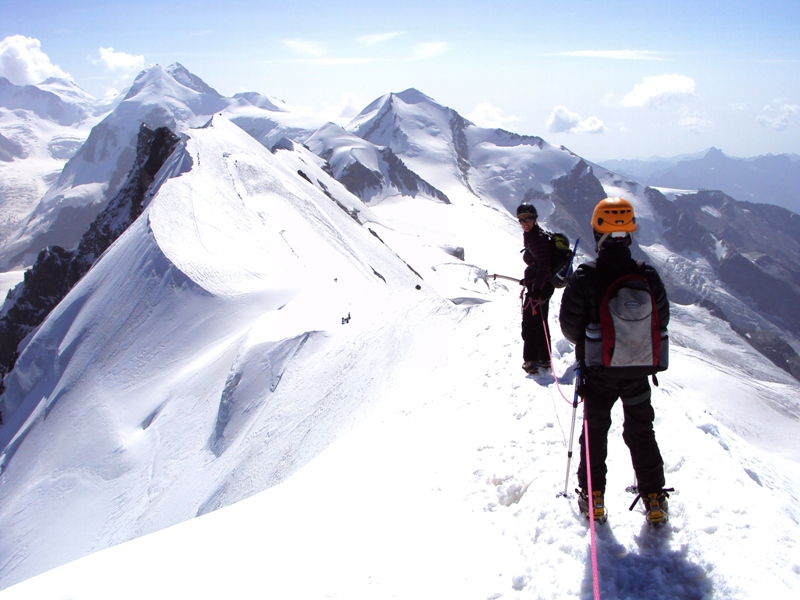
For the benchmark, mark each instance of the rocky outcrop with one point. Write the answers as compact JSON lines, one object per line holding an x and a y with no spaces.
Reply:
{"x":57,"y":270}
{"x":365,"y":183}
{"x":575,"y":196}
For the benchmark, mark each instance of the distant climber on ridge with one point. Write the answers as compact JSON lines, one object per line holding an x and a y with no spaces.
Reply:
{"x":536,"y":304}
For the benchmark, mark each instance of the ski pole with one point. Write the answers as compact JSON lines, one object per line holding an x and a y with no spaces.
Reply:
{"x":572,"y":430}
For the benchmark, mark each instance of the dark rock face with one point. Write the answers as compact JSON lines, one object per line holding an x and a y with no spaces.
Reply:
{"x":755,"y":251}
{"x":575,"y":196}
{"x":458,"y":128}
{"x":43,"y":287}
{"x":361,"y":181}
{"x":754,"y":247}
{"x":365,"y":183}
{"x":9,"y":149}
{"x":57,"y":270}
{"x":405,"y":179}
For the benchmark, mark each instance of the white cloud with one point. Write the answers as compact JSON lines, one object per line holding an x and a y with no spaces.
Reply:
{"x":562,"y":120}
{"x":22,"y":61}
{"x":653,"y":90}
{"x":779,"y":115}
{"x":306,"y":47}
{"x":348,"y":107}
{"x":340,"y":113}
{"x":120,"y":61}
{"x":430,"y":49}
{"x":491,"y":117}
{"x":616,"y":54}
{"x":378,"y":38}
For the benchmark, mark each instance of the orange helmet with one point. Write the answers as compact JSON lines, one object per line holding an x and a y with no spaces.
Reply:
{"x":613,"y":215}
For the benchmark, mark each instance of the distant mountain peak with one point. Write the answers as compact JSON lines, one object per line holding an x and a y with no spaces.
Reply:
{"x":715,"y":153}
{"x":414,"y":96}
{"x":183,"y":76}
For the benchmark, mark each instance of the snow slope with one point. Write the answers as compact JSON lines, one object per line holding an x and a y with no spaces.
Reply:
{"x":197,"y":310}
{"x":447,"y":488}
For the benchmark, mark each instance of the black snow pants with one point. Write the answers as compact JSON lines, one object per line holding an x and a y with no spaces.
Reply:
{"x":599,"y":394}
{"x":535,"y":327}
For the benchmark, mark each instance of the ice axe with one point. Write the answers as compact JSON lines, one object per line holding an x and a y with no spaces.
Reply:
{"x":485,"y":275}
{"x":496,"y":276}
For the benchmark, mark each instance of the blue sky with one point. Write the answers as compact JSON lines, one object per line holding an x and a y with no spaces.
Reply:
{"x":617,"y":79}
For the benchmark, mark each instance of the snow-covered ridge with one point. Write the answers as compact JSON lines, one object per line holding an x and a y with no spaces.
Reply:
{"x":259,"y":312}
{"x":237,"y":267}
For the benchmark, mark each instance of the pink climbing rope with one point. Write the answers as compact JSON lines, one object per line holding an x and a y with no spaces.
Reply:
{"x":549,"y":350}
{"x":595,"y":579}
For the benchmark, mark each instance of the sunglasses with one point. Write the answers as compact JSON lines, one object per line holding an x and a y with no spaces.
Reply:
{"x":527,"y":220}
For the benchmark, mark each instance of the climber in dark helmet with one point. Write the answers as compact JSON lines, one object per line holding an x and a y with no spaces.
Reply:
{"x":538,"y":290}
{"x":615,"y":311}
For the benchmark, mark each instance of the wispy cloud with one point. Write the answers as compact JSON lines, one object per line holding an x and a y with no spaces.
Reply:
{"x":316,"y":53}
{"x":616,"y":54}
{"x":377,"y":38}
{"x":695,"y":122}
{"x":661,"y":88}
{"x":491,"y":117}
{"x":430,"y":49}
{"x":333,"y":60}
{"x":22,"y":61}
{"x":779,"y":115}
{"x":562,"y":120}
{"x":306,"y":47}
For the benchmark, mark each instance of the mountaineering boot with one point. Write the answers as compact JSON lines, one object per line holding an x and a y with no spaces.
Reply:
{"x":531,"y":367}
{"x":545,"y":365}
{"x":657,"y":508}
{"x":600,"y":514}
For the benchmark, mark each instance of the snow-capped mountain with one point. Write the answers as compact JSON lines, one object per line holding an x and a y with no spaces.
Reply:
{"x":41,"y":127}
{"x":159,"y":97}
{"x":262,"y":327}
{"x":371,"y":172}
{"x":771,"y":179}
{"x":455,"y":156}
{"x":57,"y":100}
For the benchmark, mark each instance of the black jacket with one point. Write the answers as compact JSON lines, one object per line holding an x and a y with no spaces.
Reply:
{"x":537,"y":255}
{"x":585,"y":285}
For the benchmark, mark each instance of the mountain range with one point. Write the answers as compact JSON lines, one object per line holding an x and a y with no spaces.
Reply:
{"x":770,"y":179}
{"x":184,"y":323}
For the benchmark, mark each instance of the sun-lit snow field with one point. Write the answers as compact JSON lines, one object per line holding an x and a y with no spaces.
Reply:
{"x":208,"y":356}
